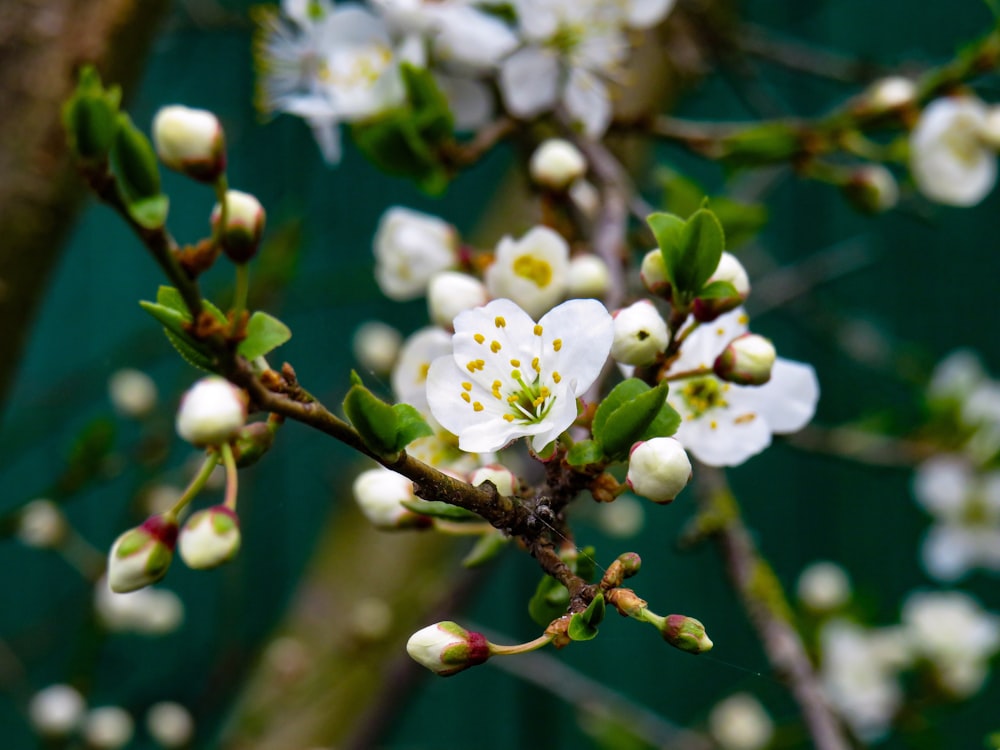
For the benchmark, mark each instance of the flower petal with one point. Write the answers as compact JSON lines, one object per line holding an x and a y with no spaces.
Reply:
{"x":788,"y":400}
{"x":585,"y":330}
{"x":529,"y":82}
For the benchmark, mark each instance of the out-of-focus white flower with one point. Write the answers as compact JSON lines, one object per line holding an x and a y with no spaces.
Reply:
{"x":658,"y":469}
{"x":859,"y":675}
{"x":371,"y":618}
{"x":509,"y":377}
{"x":724,"y":424}
{"x":409,"y":376}
{"x":956,"y":375}
{"x":951,"y":631}
{"x":452,"y":292}
{"x":740,"y":723}
{"x":132,"y":393}
{"x":56,"y":711}
{"x":966,"y":509}
{"x":380,"y":494}
{"x":41,"y":524}
{"x":556,"y":164}
{"x":622,"y":519}
{"x":891,"y":92}
{"x":588,"y":276}
{"x":410,"y":248}
{"x":654,"y":273}
{"x":948,"y":158}
{"x":376,"y":346}
{"x":170,"y":724}
{"x":586,"y":198}
{"x":446,"y":648}
{"x":190,"y":141}
{"x":150,"y":611}
{"x":531,"y":271}
{"x":824,"y":587}
{"x":108,"y":728}
{"x":211,"y":412}
{"x":640,"y":334}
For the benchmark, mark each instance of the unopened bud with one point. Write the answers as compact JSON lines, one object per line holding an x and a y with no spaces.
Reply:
{"x":628,"y":603}
{"x":631,"y":562}
{"x":380,"y":494}
{"x":501,"y":477}
{"x":640,"y":334}
{"x":41,"y":524}
{"x":658,"y":469}
{"x":56,"y":711}
{"x":891,"y":93}
{"x":588,"y":276}
{"x":746,"y":361}
{"x":446,"y":648}
{"x":872,"y":189}
{"x":190,"y":141}
{"x":108,"y":728}
{"x":556,"y":164}
{"x":244,"y":225}
{"x":212,"y":412}
{"x":252,"y":442}
{"x":685,"y":633}
{"x":450,"y":293}
{"x":210,"y":537}
{"x":142,"y":555}
{"x":653,"y":273}
{"x":729,"y":270}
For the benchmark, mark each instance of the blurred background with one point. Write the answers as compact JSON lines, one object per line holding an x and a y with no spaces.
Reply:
{"x":299,"y":642}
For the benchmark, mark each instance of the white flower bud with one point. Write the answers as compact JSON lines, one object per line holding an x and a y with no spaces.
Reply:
{"x":210,"y":537}
{"x":56,"y":710}
{"x":502,"y":478}
{"x":108,"y":728}
{"x":640,"y":334}
{"x":588,"y":276}
{"x":132,"y":393}
{"x":557,"y":163}
{"x":740,"y":723}
{"x":170,"y":724}
{"x":244,"y":225}
{"x":410,"y":247}
{"x":446,"y":648}
{"x":823,"y":587}
{"x":658,"y":469}
{"x":872,"y":189}
{"x":376,"y":346}
{"x":41,"y":524}
{"x":380,"y":494}
{"x":890,"y":93}
{"x":747,"y":360}
{"x":729,"y":270}
{"x":450,"y":293}
{"x":142,"y":555}
{"x":653,"y":273}
{"x":211,"y":412}
{"x":190,"y":141}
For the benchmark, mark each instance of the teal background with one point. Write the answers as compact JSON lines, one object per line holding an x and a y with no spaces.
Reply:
{"x":930,"y":286}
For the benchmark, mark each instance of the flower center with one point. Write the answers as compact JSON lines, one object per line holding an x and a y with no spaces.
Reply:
{"x":703,"y":394}
{"x":961,"y":141}
{"x":531,"y":268}
{"x":567,"y":37}
{"x":529,"y":403}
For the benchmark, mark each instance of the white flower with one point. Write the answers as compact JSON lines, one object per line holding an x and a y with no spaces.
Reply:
{"x":729,"y":270}
{"x":891,"y":92}
{"x":108,"y":728}
{"x":190,"y":141}
{"x":948,"y":159}
{"x":380,"y":493}
{"x":588,"y":276}
{"x":56,"y":711}
{"x":724,"y":424}
{"x":170,"y":724}
{"x":951,"y":631}
{"x":740,"y":723}
{"x":956,"y":375}
{"x":640,"y":334}
{"x":452,"y":292}
{"x":658,"y":469}
{"x":823,"y":587}
{"x":211,"y":412}
{"x":132,"y":392}
{"x":509,"y":377}
{"x":209,"y":538}
{"x":41,"y":524}
{"x":531,"y":271}
{"x":872,"y":189}
{"x":409,"y":376}
{"x":150,"y":611}
{"x":411,"y":247}
{"x":557,"y":163}
{"x":966,"y":509}
{"x":376,"y":346}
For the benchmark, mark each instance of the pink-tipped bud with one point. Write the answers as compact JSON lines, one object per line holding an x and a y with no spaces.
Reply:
{"x":631,"y":563}
{"x":190,"y":141}
{"x":746,"y":361}
{"x":244,"y":225}
{"x":685,"y":633}
{"x":210,"y":537}
{"x":142,"y":556}
{"x":658,"y":469}
{"x":447,"y":648}
{"x":733,"y":272}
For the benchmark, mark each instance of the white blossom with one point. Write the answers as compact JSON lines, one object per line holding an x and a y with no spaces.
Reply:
{"x":56,"y":711}
{"x":170,"y":724}
{"x":740,"y":723}
{"x":380,"y":493}
{"x":190,"y":141}
{"x":446,"y":648}
{"x":376,"y":346}
{"x":556,"y":164}
{"x":410,"y":248}
{"x":588,"y":276}
{"x":151,"y":611}
{"x":41,"y":524}
{"x":823,"y":587}
{"x":509,"y":377}
{"x":108,"y":728}
{"x":132,"y":392}
{"x":530,"y":271}
{"x":209,"y":538}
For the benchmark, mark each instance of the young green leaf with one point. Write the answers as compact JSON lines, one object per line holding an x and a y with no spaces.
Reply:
{"x":438,"y":509}
{"x":549,"y":601}
{"x":702,"y":243}
{"x":718,"y":290}
{"x":583,"y":625}
{"x":373,"y":418}
{"x":410,"y":425}
{"x":485,"y":549}
{"x":628,"y":416}
{"x":668,"y":230}
{"x":585,"y":453}
{"x":264,"y":333}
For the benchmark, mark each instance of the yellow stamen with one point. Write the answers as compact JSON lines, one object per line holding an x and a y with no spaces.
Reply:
{"x":538,"y":330}
{"x":477,"y":406}
{"x":509,"y":417}
{"x":556,"y":377}
{"x":495,"y":347}
{"x":557,"y":344}
{"x":499,"y":322}
{"x":480,"y":338}
{"x":467,"y":398}
{"x":534,"y":365}
{"x":515,"y":363}
{"x":467,"y":386}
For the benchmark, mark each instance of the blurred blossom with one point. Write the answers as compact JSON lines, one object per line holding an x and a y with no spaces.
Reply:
{"x":108,"y":728}
{"x":622,"y":519}
{"x":56,"y":711}
{"x":149,"y":611}
{"x":824,"y":586}
{"x":170,"y":724}
{"x":376,"y":346}
{"x":132,"y":393}
{"x":740,"y":723}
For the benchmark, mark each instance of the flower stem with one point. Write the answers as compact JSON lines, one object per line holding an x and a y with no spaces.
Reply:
{"x":521,"y":648}
{"x":232,"y":476}
{"x":695,"y":373}
{"x":240,"y":297}
{"x":196,"y":485}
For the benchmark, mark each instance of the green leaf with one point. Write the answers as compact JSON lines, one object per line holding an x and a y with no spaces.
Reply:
{"x":410,"y":425}
{"x":626,"y":414}
{"x":90,"y":117}
{"x":668,"y":230}
{"x":264,"y":333}
{"x":664,"y":425}
{"x":485,"y":549}
{"x":549,"y":601}
{"x":585,"y":453}
{"x":702,"y":243}
{"x":168,"y":296}
{"x":190,"y":352}
{"x":766,"y":144}
{"x":579,"y":629}
{"x":718,"y":290}
{"x":740,"y":221}
{"x":373,"y":418}
{"x":150,"y":213}
{"x":438,"y":509}
{"x":594,"y":614}
{"x":137,"y":173}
